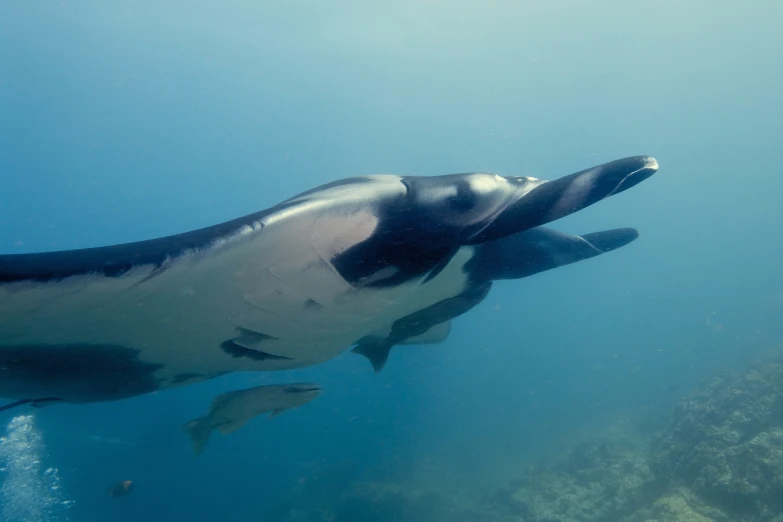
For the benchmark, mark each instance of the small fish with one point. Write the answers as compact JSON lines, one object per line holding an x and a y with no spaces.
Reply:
{"x":121,"y":489}
{"x":230,"y":411}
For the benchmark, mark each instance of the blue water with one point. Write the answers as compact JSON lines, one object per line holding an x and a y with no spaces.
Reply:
{"x":122,"y":121}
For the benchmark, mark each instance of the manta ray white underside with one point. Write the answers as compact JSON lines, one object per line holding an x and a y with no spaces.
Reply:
{"x":276,"y":299}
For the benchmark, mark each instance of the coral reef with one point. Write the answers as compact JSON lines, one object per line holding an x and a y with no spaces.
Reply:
{"x":725,"y":443}
{"x":599,"y":481}
{"x":678,"y":505}
{"x":720,"y":459}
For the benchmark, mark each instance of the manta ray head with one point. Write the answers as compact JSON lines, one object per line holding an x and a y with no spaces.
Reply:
{"x":421,"y":229}
{"x":479,"y":207}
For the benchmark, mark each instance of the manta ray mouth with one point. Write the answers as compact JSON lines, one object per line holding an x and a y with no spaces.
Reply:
{"x":649,"y":168}
{"x":556,"y":199}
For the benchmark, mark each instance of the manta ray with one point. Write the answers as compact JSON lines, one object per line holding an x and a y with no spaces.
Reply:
{"x":366,"y":262}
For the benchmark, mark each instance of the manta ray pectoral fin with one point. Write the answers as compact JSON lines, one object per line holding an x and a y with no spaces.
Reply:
{"x":376,"y":352}
{"x":275,"y":413}
{"x":74,"y":372}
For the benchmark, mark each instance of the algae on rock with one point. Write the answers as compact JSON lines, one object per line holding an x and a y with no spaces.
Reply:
{"x":679,"y":505}
{"x":726,"y":443}
{"x":599,"y":481}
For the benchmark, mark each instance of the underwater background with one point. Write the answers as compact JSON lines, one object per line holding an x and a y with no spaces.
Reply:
{"x":123,"y":121}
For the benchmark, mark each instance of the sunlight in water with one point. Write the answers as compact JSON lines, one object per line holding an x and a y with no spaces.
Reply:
{"x":28,"y":494}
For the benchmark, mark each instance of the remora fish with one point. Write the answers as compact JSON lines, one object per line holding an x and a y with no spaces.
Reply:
{"x":230,"y":411}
